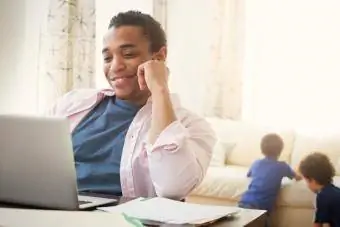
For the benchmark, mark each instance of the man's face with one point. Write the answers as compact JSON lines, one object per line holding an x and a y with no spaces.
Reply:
{"x":124,"y":49}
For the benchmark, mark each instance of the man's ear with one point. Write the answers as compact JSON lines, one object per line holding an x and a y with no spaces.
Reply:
{"x":161,"y":54}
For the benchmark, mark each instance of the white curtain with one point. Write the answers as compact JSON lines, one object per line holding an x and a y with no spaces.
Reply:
{"x":205,"y":55}
{"x":160,"y":12}
{"x":67,"y":49}
{"x":223,"y":96}
{"x":291,"y":67}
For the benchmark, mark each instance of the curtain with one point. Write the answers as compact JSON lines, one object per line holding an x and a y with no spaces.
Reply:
{"x":67,"y":49}
{"x":160,"y":12}
{"x":205,"y":55}
{"x":223,"y":95}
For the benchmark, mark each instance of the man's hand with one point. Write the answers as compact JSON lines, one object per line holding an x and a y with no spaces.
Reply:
{"x":153,"y":75}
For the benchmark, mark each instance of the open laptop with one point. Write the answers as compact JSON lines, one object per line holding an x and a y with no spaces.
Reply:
{"x":37,"y":164}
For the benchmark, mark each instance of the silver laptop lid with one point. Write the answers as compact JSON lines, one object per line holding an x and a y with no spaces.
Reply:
{"x":36,"y":162}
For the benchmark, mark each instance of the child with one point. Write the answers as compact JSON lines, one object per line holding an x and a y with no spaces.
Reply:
{"x":266,"y":174}
{"x":318,"y":173}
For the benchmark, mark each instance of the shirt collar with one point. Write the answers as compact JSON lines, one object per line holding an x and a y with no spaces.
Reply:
{"x":174,"y":97}
{"x":325,"y":187}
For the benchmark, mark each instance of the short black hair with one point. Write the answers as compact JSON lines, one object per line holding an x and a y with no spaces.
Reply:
{"x":318,"y":167}
{"x":151,"y":28}
{"x":271,"y":145}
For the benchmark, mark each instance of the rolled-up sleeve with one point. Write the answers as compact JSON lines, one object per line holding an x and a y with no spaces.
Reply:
{"x":179,"y":158}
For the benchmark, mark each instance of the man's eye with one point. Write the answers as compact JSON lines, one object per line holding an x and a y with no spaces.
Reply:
{"x":107,"y":59}
{"x":129,"y":55}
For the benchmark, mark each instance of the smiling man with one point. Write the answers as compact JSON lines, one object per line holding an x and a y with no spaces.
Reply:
{"x":136,"y":139}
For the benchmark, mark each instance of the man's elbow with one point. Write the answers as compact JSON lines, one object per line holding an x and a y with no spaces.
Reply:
{"x":176,"y":193}
{"x":178,"y":188}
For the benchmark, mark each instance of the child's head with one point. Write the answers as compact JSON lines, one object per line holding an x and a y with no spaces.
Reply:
{"x":317,"y":170}
{"x":272,"y":145}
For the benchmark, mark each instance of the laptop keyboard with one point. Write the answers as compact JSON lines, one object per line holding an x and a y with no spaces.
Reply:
{"x":81,"y":202}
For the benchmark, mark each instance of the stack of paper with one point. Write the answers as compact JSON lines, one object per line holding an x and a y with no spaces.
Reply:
{"x":171,"y":212}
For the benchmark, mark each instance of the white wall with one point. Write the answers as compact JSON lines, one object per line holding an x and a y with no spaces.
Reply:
{"x":292,"y":64}
{"x":19,"y":48}
{"x":105,"y":10}
{"x":12,"y":18}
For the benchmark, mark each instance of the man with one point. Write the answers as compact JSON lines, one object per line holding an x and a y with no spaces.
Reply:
{"x":136,"y":139}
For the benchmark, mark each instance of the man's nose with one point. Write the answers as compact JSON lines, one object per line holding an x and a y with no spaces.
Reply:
{"x":117,"y":64}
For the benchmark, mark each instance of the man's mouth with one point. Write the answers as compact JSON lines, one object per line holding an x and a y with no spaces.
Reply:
{"x":121,"y":77}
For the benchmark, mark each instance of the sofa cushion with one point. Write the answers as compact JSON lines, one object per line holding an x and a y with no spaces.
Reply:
{"x":220,"y":153}
{"x":305,"y":145}
{"x":297,"y":194}
{"x":247,"y":138}
{"x":227,"y":182}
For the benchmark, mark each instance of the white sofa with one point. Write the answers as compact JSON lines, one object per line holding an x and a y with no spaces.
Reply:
{"x":238,"y":146}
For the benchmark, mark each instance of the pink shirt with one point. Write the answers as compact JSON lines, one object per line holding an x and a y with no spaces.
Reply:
{"x":172,"y":167}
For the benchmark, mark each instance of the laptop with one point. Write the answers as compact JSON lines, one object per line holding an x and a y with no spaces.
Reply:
{"x":37,"y":164}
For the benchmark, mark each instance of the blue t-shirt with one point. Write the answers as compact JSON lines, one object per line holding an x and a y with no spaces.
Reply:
{"x":328,"y":206}
{"x":98,"y":143}
{"x":266,"y":180}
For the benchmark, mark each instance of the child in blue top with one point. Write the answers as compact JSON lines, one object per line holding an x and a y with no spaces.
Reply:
{"x":266,"y":176}
{"x":318,"y":172}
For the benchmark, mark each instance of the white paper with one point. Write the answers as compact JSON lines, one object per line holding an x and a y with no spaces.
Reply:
{"x":170,"y":211}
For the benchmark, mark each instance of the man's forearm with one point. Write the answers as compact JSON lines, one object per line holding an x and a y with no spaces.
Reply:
{"x":162,"y":113}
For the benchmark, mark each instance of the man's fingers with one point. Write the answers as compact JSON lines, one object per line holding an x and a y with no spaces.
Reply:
{"x":141,"y":77}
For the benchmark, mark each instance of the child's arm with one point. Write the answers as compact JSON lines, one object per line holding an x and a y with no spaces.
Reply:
{"x":297,"y":176}
{"x":250,"y":171}
{"x":290,"y":173}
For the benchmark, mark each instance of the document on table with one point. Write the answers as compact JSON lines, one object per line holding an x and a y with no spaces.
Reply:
{"x":171,"y":212}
